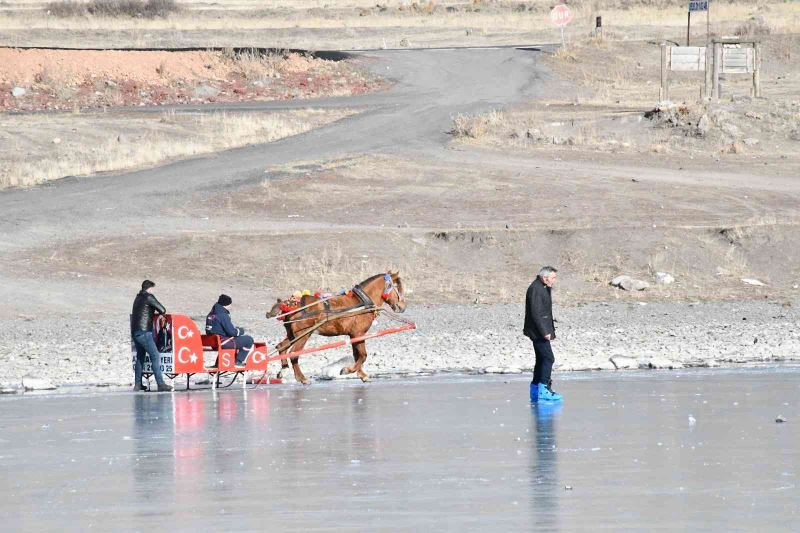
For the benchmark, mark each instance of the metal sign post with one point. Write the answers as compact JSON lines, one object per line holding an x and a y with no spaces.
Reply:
{"x":696,"y":5}
{"x":560,"y":16}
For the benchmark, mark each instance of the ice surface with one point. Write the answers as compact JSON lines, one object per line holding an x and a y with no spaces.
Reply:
{"x":433,"y":453}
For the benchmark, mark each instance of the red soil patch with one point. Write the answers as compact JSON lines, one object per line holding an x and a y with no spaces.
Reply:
{"x":72,"y":67}
{"x":64,"y":79}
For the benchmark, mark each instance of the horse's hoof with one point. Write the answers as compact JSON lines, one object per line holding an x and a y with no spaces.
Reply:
{"x":364,"y":377}
{"x":305,"y":381}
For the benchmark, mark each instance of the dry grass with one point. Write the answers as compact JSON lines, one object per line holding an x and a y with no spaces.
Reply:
{"x":595,"y":225}
{"x":331,"y":268}
{"x":629,"y":71}
{"x":605,"y":109}
{"x":754,"y":27}
{"x":532,"y":127}
{"x":252,"y":65}
{"x":485,"y":23}
{"x":112,"y":8}
{"x":477,"y":126}
{"x":362,"y":23}
{"x":40,"y":148}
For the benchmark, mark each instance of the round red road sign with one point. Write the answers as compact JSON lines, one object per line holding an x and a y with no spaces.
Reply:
{"x":560,"y":15}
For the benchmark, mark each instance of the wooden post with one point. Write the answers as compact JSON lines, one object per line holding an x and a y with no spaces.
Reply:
{"x":688,"y":26}
{"x":664,"y":93}
{"x":717,"y":69}
{"x":757,"y":70}
{"x":709,"y":70}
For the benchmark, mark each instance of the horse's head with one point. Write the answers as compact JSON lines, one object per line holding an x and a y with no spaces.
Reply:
{"x":276,"y":309}
{"x":393,"y":291}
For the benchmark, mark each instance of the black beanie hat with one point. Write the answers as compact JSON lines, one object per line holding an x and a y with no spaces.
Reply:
{"x":224,"y":300}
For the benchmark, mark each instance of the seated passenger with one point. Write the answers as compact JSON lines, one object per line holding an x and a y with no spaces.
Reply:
{"x":218,"y":322}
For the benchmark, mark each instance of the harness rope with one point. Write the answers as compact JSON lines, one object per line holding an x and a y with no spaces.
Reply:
{"x":396,"y":316}
{"x":327,"y":312}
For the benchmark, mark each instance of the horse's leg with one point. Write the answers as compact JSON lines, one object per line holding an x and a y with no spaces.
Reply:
{"x":359,"y":348}
{"x":284,"y":345}
{"x":350,"y":369}
{"x":281,"y":347}
{"x":360,"y":355}
{"x":298,"y":374}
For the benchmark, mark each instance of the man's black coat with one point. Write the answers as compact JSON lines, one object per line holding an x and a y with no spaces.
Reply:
{"x":539,"y":311}
{"x":144,"y":306}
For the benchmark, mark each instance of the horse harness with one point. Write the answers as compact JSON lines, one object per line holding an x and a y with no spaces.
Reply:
{"x":365,"y":303}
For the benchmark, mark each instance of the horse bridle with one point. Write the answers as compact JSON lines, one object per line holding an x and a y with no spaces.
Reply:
{"x":388,"y":287}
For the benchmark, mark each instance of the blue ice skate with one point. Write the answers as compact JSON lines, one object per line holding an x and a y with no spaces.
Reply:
{"x":534,"y":392}
{"x":547,"y":395}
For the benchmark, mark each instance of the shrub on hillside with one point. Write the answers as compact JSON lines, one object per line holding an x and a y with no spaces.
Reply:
{"x":113,"y":8}
{"x":754,"y":27}
{"x":476,"y":126}
{"x":66,"y":8}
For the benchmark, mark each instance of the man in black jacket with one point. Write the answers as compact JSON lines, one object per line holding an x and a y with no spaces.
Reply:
{"x":144,"y":307}
{"x":218,"y":322}
{"x":540,"y":328}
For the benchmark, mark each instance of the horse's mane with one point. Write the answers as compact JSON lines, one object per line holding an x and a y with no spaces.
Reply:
{"x":371,"y":279}
{"x":310,"y":297}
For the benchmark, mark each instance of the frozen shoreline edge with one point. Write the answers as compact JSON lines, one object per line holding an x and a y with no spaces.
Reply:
{"x":202,"y":384}
{"x":467,"y":339}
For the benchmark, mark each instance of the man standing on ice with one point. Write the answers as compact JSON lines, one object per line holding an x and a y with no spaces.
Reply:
{"x":540,"y":328}
{"x":144,"y":307}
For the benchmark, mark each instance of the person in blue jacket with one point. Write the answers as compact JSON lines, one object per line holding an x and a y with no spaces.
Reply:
{"x":218,"y":322}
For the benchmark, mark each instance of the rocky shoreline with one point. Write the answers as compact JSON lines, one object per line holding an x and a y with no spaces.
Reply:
{"x":465,"y":338}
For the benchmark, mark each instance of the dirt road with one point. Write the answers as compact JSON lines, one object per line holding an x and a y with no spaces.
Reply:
{"x":409,"y":119}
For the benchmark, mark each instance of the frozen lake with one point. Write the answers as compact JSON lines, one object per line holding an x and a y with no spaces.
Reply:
{"x":446,"y":453}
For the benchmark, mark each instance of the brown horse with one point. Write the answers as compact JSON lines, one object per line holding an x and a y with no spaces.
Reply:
{"x":356,"y":310}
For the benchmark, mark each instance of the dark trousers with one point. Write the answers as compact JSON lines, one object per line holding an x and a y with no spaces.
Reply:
{"x":243,"y":342}
{"x":146,"y":343}
{"x":544,"y":361}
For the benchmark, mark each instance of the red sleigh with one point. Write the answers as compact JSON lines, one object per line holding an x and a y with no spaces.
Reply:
{"x":183,"y":349}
